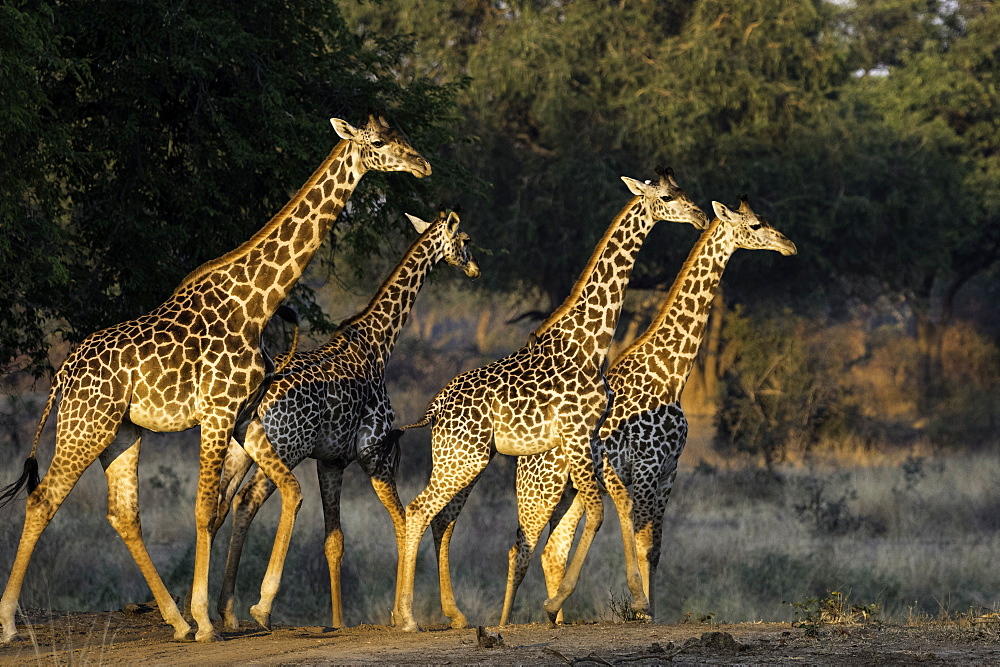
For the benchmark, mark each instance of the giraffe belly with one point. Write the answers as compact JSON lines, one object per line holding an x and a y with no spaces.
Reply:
{"x":164,"y":418}
{"x":524,"y":436}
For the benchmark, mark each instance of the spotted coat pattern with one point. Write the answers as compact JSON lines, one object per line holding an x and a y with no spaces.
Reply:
{"x":548,"y":394}
{"x":641,"y":441}
{"x":330,"y":404}
{"x":194,"y":360}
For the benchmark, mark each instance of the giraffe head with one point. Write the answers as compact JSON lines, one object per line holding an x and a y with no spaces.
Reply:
{"x":382,"y":148}
{"x":750,"y":231}
{"x":667,"y":200}
{"x":454,"y":243}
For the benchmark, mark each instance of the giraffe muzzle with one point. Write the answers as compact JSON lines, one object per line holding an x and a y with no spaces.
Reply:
{"x":421,"y":167}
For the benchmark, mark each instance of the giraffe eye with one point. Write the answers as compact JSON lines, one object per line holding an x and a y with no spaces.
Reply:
{"x":666,"y":198}
{"x":378,"y":143}
{"x":755,"y":226}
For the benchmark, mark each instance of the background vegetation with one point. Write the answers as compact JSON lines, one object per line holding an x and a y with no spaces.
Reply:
{"x":138,"y":139}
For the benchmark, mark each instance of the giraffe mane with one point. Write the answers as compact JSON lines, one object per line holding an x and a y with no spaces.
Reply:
{"x":675,"y":289}
{"x":390,"y":279}
{"x":261,"y":233}
{"x":574,"y":295}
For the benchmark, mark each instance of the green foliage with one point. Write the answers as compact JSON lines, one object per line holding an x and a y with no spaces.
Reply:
{"x":865,"y":130}
{"x":145,"y":138}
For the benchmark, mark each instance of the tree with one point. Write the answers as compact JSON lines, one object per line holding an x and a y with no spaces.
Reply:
{"x":163,"y":135}
{"x":33,"y":151}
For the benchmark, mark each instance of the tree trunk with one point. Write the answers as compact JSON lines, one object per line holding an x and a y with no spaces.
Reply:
{"x":930,"y":344}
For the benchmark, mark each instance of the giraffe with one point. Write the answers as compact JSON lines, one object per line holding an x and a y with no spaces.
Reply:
{"x":193,"y":360}
{"x":641,"y":441}
{"x":331,"y":405}
{"x":548,"y":394}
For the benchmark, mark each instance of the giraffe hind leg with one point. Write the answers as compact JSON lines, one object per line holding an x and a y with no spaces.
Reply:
{"x":121,"y":468}
{"x":74,"y":453}
{"x":384,"y":484}
{"x":419,"y":514}
{"x":246,"y":503}
{"x":442,"y":528}
{"x":623,"y":505}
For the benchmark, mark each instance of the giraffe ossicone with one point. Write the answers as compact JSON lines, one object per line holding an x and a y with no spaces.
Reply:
{"x":194,"y":360}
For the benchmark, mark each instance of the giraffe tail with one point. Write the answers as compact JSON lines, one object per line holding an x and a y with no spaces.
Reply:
{"x":30,"y":478}
{"x":289,"y":315}
{"x":392,"y":440}
{"x":418,"y":424}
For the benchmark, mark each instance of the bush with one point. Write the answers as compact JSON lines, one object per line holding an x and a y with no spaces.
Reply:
{"x":782,"y":388}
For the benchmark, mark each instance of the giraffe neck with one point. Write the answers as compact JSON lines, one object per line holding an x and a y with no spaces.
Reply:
{"x":665,"y":353}
{"x":382,"y":320}
{"x":590,"y":313}
{"x":262,"y":271}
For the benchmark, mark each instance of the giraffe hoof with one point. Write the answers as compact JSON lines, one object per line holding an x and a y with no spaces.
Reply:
{"x":12,"y":638}
{"x":184,"y":635}
{"x":263,"y":618}
{"x":459,"y":622}
{"x":208,"y":637}
{"x":410,"y":626}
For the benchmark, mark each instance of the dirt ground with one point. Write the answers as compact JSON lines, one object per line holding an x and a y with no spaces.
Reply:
{"x":119,"y":637}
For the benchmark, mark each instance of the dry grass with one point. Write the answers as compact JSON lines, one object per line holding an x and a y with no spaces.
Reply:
{"x":912,"y":528}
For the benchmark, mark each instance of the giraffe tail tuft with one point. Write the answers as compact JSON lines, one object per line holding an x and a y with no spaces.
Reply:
{"x":29,"y":479}
{"x":390,"y":450}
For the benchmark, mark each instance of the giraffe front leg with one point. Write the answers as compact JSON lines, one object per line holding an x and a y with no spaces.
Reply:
{"x":235,"y":468}
{"x":215,"y":435}
{"x":623,"y":505}
{"x":582,"y":475}
{"x":122,"y":472}
{"x":271,"y":465}
{"x":555,"y":555}
{"x":331,"y":477}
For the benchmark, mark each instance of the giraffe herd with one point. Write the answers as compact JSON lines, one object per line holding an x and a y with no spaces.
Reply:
{"x":578,"y":425}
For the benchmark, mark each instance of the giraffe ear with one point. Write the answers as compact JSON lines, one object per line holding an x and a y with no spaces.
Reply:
{"x":453,"y":222}
{"x":721,"y":211}
{"x":344,"y":129}
{"x":638,"y":188}
{"x":418,"y":224}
